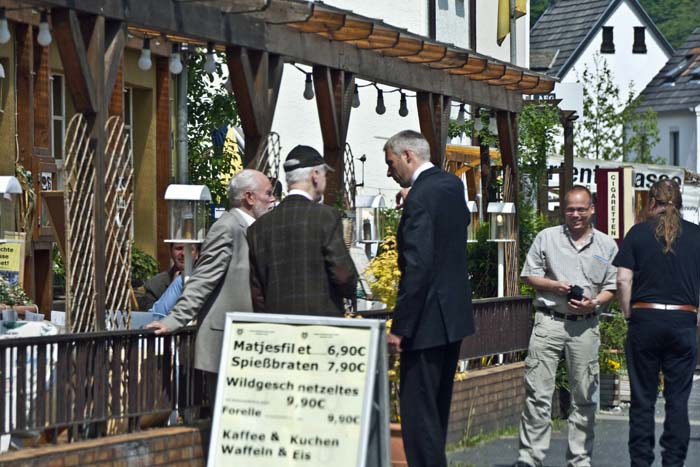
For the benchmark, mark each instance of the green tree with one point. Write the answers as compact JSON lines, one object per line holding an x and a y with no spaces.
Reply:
{"x":210,"y":107}
{"x":538,"y":125}
{"x":599,"y":134}
{"x":641,"y":133}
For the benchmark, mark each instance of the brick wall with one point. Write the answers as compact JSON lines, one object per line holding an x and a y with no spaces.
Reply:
{"x":174,"y":447}
{"x":487,"y":400}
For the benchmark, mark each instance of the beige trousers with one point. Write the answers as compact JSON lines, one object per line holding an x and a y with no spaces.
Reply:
{"x":578,"y":343}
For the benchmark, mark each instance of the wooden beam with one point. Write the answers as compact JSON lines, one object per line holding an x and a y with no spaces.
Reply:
{"x":115,"y":41}
{"x":208,"y":24}
{"x":334,"y":90}
{"x":434,"y":117}
{"x":71,"y":47}
{"x":255,"y":78}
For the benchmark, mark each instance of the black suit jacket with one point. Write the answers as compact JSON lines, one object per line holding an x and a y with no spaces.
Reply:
{"x":434,"y":305}
{"x":298,"y":261}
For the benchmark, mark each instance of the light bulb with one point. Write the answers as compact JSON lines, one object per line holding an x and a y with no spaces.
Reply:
{"x":4,"y":30}
{"x":493,"y":127}
{"x":460,"y":115}
{"x":175,"y":60}
{"x":44,"y":36}
{"x":478,"y":124}
{"x":210,"y":62}
{"x":380,"y":108}
{"x":356,"y":98}
{"x":308,"y":88}
{"x":145,"y":62}
{"x":403,"y":108}
{"x":499,"y":219}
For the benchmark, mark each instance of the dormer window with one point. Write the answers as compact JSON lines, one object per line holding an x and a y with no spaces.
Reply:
{"x":608,"y":46}
{"x":639,"y":46}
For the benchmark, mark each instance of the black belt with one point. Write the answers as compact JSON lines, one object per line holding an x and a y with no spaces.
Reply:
{"x":566,"y":316}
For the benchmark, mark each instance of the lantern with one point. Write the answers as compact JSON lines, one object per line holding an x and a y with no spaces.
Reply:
{"x":502,"y":222}
{"x":369,"y":228}
{"x":474,"y":221}
{"x":10,"y":189}
{"x":187,"y":212}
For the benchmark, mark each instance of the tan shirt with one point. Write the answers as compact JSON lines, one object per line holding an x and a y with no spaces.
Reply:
{"x":554,"y":255}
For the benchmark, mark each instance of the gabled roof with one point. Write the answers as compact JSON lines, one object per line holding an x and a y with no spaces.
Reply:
{"x":677,"y":85}
{"x":567,"y":26}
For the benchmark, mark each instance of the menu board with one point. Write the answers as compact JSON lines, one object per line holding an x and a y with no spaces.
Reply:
{"x":293,"y":394}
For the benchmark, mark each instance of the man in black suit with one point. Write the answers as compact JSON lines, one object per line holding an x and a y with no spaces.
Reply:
{"x":298,"y":261}
{"x":433,"y":309}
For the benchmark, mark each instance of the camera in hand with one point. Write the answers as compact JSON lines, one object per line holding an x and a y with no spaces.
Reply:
{"x":575,"y":293}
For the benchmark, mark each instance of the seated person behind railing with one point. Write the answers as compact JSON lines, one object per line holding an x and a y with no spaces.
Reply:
{"x":158,"y":284}
{"x":161,"y":308}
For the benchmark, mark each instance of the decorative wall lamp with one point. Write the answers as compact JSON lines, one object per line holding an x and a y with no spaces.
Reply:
{"x":369,"y":220}
{"x":187,"y":213}
{"x":502,"y":231}
{"x":10,"y":191}
{"x":473,"y":221}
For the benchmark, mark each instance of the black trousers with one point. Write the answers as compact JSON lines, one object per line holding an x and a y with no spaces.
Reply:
{"x":427,"y":377}
{"x":660,"y":340}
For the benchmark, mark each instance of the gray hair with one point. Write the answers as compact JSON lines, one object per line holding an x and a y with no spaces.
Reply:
{"x":409,"y":139}
{"x":303,"y":175}
{"x":243,"y":181}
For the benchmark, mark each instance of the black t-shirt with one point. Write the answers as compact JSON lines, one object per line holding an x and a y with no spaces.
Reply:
{"x":673,"y":278}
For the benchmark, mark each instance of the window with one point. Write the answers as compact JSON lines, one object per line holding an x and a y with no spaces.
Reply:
{"x":129,"y":117}
{"x":675,"y":149}
{"x":639,"y":46}
{"x":608,"y":46}
{"x":58,"y":115}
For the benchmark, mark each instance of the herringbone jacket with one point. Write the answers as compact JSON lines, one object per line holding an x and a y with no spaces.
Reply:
{"x":298,"y":261}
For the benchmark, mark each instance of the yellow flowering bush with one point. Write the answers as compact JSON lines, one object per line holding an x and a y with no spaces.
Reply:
{"x":383,"y":272}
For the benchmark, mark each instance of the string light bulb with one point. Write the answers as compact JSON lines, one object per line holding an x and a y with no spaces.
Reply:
{"x":308,"y":88}
{"x":356,"y":97}
{"x":380,"y":108}
{"x":145,"y":62}
{"x":4,"y":29}
{"x":478,"y":124}
{"x":210,"y":61}
{"x":460,"y":115}
{"x":44,"y":36}
{"x":493,"y":126}
{"x":403,"y":107}
{"x":2,"y":71}
{"x":175,"y":64}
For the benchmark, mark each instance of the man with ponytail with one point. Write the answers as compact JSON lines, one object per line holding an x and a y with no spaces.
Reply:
{"x":658,"y":285}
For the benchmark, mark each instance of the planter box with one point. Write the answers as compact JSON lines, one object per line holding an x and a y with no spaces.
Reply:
{"x":609,"y":390}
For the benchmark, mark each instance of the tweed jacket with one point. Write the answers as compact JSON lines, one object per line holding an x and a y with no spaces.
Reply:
{"x":434,"y":302}
{"x":298,"y":261}
{"x":219,"y":284}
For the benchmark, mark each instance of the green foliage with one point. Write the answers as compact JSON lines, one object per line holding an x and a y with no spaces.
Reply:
{"x":537,"y":7}
{"x":613,"y":333}
{"x":538,"y":126}
{"x":143,"y":266}
{"x":390,"y":220}
{"x":641,"y":133}
{"x":58,"y":267}
{"x":210,"y":107}
{"x":530,"y":223}
{"x":483,"y":264}
{"x":12,"y":294}
{"x":466,"y":129}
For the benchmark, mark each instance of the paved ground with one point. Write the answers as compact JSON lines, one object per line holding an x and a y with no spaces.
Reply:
{"x":610,"y":442}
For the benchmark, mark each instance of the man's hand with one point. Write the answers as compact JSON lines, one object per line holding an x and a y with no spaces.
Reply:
{"x":586,"y":305}
{"x":160,"y":328}
{"x":560,"y":287}
{"x":394,"y":343}
{"x":401,"y":197}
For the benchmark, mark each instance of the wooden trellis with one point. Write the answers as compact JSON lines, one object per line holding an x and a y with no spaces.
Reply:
{"x":80,"y":232}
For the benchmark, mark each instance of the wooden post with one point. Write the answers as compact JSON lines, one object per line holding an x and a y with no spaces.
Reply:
{"x":334,"y":89}
{"x":567,"y":173}
{"x":91,"y":50}
{"x":434,"y":118}
{"x":255,"y":77}
{"x":508,"y":143}
{"x":163,"y":158}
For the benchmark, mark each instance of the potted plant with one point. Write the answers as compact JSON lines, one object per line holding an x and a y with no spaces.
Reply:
{"x":611,"y":359}
{"x":12,"y":296}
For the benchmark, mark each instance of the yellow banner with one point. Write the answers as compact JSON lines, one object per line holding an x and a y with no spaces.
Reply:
{"x":503,"y":28}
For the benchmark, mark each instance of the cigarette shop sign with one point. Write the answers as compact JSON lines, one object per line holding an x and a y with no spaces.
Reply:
{"x":645,"y":175}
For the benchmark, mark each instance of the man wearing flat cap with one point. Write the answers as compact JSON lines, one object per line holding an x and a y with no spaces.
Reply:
{"x":298,"y":261}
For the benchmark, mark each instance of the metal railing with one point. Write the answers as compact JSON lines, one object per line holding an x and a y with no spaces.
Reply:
{"x":96,"y":383}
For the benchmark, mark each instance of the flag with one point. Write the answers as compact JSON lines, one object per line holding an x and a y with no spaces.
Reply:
{"x":503,"y":28}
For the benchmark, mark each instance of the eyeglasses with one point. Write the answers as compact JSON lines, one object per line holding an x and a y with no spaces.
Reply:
{"x":572,"y":211}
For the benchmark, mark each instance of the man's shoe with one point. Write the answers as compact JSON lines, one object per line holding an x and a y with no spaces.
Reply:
{"x":522,"y":464}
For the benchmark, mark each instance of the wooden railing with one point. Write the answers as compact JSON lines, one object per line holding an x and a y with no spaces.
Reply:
{"x":92,"y":384}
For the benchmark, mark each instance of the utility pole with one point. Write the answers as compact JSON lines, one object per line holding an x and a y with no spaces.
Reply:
{"x":513,"y":41}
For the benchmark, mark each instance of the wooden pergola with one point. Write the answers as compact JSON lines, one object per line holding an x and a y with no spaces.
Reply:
{"x":259,"y":36}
